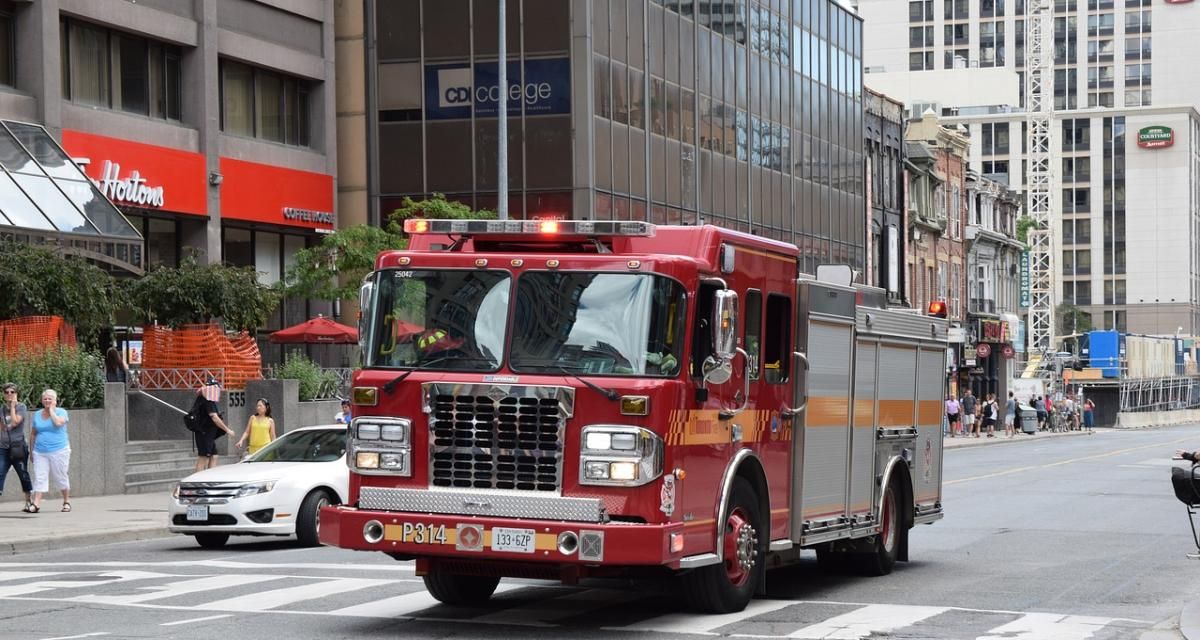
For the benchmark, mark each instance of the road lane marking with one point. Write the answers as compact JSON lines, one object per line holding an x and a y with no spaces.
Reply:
{"x":84,"y":635}
{"x":29,"y":588}
{"x":405,"y":567}
{"x":550,"y":610}
{"x":402,"y":606}
{"x":24,"y":575}
{"x":867,"y":621}
{"x":263,"y":600}
{"x":1033,"y":626}
{"x":180,"y":588}
{"x":191,"y":620}
{"x":1048,"y":465}
{"x":703,"y":624}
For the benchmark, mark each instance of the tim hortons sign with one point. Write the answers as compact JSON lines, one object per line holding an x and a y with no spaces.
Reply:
{"x":132,"y":189}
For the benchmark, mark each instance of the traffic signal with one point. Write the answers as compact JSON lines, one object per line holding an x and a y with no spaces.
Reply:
{"x":937,"y":309}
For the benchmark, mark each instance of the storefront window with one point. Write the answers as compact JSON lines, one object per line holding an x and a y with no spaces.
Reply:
{"x":161,"y":243}
{"x":266,"y":257}
{"x":237,"y":250}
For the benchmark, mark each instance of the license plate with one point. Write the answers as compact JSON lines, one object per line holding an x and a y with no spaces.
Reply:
{"x":197,"y":513}
{"x":515,"y":540}
{"x":421,"y":533}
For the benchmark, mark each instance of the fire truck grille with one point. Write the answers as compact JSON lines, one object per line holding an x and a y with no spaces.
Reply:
{"x":495,"y":437}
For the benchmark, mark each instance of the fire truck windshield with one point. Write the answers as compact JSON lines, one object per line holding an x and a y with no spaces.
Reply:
{"x":445,"y":319}
{"x":587,"y":323}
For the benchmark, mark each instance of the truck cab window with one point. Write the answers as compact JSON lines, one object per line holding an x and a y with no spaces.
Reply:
{"x":702,"y":334}
{"x":752,"y":333}
{"x":777,"y":349}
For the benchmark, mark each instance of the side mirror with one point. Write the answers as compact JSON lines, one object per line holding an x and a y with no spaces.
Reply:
{"x":724,"y":323}
{"x":717,"y":370}
{"x":366,"y":302}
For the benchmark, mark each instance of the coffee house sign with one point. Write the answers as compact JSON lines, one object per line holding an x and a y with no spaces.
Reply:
{"x":130,"y":189}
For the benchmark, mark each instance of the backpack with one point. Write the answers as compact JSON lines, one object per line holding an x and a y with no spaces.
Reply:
{"x":194,"y":420}
{"x":987,"y":409}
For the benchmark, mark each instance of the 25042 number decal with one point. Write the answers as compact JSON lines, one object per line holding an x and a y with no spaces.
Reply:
{"x":421,"y":533}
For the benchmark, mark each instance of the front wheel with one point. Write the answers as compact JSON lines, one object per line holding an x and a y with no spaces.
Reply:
{"x":729,"y":586}
{"x":308,"y":520}
{"x":453,"y":588}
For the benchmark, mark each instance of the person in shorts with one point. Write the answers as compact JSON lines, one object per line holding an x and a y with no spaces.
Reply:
{"x":969,"y":425}
{"x":211,"y":425}
{"x":952,"y":411}
{"x":1010,"y":416}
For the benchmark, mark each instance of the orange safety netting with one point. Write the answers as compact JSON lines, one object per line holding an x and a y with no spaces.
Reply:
{"x":34,"y":333}
{"x":203,"y":346}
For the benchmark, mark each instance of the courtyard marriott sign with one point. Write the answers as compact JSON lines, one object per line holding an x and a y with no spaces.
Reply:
{"x":1156,"y":137}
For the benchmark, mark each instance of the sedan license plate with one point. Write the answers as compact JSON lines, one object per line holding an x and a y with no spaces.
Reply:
{"x":515,"y":540}
{"x":197,"y":513}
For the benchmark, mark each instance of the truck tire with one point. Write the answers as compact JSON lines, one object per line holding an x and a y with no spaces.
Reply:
{"x":308,"y":520}
{"x":212,"y":540}
{"x":454,"y":588}
{"x":729,"y":586}
{"x":887,"y":544}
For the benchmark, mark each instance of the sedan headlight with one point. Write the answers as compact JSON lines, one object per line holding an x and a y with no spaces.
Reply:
{"x":619,"y":455}
{"x":381,"y":446}
{"x":255,"y":488}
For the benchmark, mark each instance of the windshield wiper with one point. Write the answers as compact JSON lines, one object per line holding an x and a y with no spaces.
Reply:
{"x":604,"y":391}
{"x":391,"y":384}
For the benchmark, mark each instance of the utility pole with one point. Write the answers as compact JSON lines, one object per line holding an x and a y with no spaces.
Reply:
{"x":502,"y":117}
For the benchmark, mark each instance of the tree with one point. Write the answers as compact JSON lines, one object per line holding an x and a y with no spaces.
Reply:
{"x":1072,"y":319}
{"x":1024,"y":224}
{"x":195,"y":293}
{"x":334,"y":269}
{"x":36,"y":280}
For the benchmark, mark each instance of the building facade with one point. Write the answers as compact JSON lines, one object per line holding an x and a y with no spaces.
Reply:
{"x":1120,"y":69}
{"x":994,"y":272}
{"x":745,"y":114}
{"x":884,"y":146}
{"x":208,"y":123}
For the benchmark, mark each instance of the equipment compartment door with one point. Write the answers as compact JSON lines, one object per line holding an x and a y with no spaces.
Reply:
{"x":862,"y":452}
{"x":826,"y":469}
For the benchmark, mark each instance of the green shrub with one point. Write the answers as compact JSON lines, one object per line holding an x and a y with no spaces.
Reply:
{"x":315,"y":383}
{"x":74,"y":374}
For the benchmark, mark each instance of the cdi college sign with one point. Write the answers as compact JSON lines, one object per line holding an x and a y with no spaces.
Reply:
{"x":1155,"y":137}
{"x":452,"y":90}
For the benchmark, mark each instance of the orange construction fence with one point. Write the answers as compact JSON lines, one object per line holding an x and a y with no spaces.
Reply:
{"x":34,"y":333}
{"x":203,"y":346}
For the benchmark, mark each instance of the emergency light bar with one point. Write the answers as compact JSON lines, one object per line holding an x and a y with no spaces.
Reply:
{"x":536,"y":227}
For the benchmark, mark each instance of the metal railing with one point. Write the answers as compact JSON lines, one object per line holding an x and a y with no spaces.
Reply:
{"x":175,"y":378}
{"x":1159,"y":394}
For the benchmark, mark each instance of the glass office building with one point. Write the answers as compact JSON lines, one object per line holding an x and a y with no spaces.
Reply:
{"x":743,"y":113}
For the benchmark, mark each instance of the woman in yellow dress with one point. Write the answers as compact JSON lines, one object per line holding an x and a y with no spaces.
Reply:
{"x":260,"y":428}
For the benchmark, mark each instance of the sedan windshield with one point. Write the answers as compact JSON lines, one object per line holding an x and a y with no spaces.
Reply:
{"x":445,"y":319}
{"x":310,"y":445}
{"x":598,"y":324}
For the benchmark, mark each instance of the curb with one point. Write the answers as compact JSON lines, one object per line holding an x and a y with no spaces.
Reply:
{"x":1189,"y":621}
{"x":1000,"y":439}
{"x":77,"y":540}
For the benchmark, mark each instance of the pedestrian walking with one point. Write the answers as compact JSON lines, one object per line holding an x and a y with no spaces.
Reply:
{"x":211,"y":424}
{"x":1010,"y":416}
{"x":343,"y":416}
{"x":14,"y":450}
{"x":952,"y":411}
{"x":970,"y":424}
{"x":51,"y":452}
{"x":1039,"y":406}
{"x":260,"y":428}
{"x":989,"y":414}
{"x":1089,"y":414}
{"x":1069,"y":414}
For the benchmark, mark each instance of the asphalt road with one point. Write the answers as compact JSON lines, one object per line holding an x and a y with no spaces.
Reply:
{"x":1068,"y":538}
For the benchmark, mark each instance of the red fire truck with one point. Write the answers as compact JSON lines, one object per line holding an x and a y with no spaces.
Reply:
{"x":571,"y":399}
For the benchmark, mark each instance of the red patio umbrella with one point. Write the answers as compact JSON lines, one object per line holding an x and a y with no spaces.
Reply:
{"x":319,"y":330}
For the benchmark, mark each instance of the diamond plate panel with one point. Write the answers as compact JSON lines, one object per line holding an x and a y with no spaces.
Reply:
{"x":479,"y":503}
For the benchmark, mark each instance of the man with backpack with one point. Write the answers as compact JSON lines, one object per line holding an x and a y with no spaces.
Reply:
{"x":206,"y":418}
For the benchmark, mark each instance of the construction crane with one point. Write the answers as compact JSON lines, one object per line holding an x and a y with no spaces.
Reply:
{"x":1039,"y":187}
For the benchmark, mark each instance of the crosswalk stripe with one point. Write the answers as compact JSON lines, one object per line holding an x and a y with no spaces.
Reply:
{"x":703,"y":624}
{"x":402,"y":606}
{"x":6,"y":576}
{"x":180,"y":588}
{"x":871,"y":619}
{"x":263,"y":600}
{"x":547,"y":612}
{"x":30,"y":588}
{"x":1048,"y":625}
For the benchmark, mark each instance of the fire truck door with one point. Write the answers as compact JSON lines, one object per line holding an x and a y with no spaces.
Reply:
{"x":821,"y":454}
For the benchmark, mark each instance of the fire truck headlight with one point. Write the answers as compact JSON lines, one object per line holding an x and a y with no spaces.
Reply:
{"x":367,"y":460}
{"x":367,"y":431}
{"x":395,"y":432}
{"x":381,"y":446}
{"x":620,"y":455}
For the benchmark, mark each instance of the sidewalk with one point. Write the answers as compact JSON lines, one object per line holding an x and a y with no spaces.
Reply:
{"x":93,"y":520}
{"x":959,"y":442}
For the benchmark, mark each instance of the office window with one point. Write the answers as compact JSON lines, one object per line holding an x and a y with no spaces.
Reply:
{"x":263,"y":104}
{"x":115,"y":70}
{"x":8,"y":36}
{"x":920,"y":61}
{"x":920,"y":11}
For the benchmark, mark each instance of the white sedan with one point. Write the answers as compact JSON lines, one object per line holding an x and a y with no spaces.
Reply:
{"x":277,"y":491}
